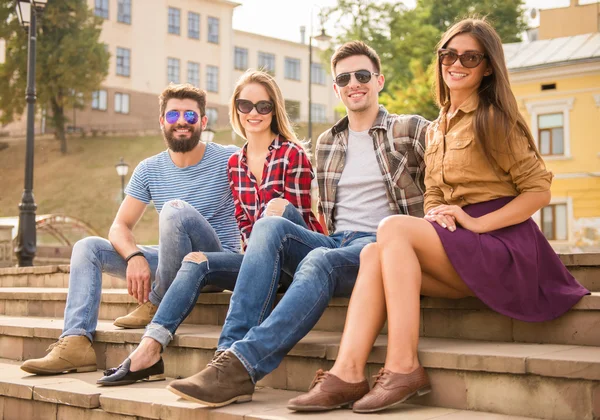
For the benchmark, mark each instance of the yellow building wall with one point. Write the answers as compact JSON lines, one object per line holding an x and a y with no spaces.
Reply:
{"x":569,"y":21}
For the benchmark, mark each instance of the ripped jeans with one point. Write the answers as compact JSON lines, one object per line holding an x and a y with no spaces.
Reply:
{"x":219,"y":269}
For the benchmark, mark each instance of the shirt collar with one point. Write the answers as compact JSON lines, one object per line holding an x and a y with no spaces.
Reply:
{"x":381,"y":121}
{"x":468,"y":106}
{"x":275,"y":145}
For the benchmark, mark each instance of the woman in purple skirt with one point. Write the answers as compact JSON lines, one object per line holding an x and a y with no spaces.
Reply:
{"x":484,"y":179}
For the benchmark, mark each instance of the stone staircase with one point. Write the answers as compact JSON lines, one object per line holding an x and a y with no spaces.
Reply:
{"x":482,"y":365}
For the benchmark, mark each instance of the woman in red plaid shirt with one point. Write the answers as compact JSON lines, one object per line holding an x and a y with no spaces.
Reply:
{"x":270,"y":176}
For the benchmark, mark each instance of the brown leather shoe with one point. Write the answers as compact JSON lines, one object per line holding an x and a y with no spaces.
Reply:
{"x":392,"y":388}
{"x":328,"y":392}
{"x":139,"y":318}
{"x":73,"y":353}
{"x":225,"y":380}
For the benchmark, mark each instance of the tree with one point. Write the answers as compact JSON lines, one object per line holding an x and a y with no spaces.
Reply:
{"x":405,"y":40}
{"x":71,"y":62}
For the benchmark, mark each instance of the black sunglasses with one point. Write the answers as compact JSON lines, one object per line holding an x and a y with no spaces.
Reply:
{"x":245,"y":106}
{"x":469,"y":59}
{"x":363,"y":76}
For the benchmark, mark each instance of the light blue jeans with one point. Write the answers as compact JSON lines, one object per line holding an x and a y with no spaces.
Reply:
{"x":323,"y":267}
{"x":182,"y":229}
{"x":220,"y":269}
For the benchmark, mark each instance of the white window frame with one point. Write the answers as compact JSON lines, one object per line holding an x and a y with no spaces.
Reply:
{"x":552,"y":107}
{"x":213,"y":29}
{"x":537,"y":218}
{"x":212,"y":114}
{"x":194,"y":32}
{"x":120,"y":107}
{"x":292,"y":68}
{"x":212,"y":79}
{"x":193,"y":73}
{"x":240,"y":58}
{"x":100,"y":97}
{"x":173,"y":66}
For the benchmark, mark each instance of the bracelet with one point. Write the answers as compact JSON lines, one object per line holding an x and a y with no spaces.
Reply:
{"x":134,"y":254}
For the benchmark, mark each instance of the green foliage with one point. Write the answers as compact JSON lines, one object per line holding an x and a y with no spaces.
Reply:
{"x":71,"y":62}
{"x":406,"y":40}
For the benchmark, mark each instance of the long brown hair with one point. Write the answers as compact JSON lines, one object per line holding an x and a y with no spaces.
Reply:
{"x":280,"y":124}
{"x":497,"y":119}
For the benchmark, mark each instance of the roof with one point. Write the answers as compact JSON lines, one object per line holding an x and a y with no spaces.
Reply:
{"x":521,"y":56}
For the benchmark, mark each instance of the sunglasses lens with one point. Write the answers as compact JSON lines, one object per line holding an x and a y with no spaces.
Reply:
{"x":264,"y":107}
{"x":448,"y":58}
{"x":363,"y":76}
{"x":342,"y":79}
{"x":191,"y":117}
{"x":244,"y":106}
{"x":172,"y":116}
{"x":470,"y":60}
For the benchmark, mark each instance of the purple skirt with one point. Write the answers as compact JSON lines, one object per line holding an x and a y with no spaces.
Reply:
{"x":513,"y":270}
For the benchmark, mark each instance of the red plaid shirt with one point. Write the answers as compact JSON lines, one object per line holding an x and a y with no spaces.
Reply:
{"x":287,"y":174}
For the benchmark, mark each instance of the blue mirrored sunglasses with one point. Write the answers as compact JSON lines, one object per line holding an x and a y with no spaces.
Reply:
{"x":191,"y":117}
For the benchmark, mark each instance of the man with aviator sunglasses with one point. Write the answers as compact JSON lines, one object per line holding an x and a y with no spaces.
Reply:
{"x":370,"y":165}
{"x":189,"y":188}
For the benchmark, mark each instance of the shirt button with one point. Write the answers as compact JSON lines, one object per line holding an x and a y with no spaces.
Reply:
{"x":451,"y":189}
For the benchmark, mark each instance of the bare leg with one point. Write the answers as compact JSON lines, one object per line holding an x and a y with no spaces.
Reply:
{"x":421,"y":250}
{"x":365,"y":318}
{"x":145,"y":355}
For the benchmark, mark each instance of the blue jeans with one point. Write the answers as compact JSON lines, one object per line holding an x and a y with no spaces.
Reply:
{"x":323,"y":267}
{"x":220,"y":269}
{"x":182,"y":229}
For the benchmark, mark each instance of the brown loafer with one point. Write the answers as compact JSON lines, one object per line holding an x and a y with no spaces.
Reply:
{"x":328,"y":392}
{"x":392,"y":388}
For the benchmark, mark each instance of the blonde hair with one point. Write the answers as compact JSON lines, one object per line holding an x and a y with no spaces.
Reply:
{"x":280,"y":123}
{"x":497,"y":119}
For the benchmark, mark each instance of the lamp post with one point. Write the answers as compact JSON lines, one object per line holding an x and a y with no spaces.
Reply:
{"x":122,"y":169}
{"x":321,"y":37}
{"x":27,"y":11}
{"x":207,"y":135}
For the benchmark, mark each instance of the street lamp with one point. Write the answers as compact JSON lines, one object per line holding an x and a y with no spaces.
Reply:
{"x":27,"y":11}
{"x":207,"y":135}
{"x":323,"y":37}
{"x":122,"y":169}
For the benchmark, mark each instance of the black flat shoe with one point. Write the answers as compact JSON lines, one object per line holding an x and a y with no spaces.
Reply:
{"x":123,"y":376}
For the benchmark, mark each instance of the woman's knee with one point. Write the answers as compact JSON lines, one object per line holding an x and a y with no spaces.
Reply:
{"x":394,"y":227}
{"x":276,"y":207}
{"x":369,"y":252}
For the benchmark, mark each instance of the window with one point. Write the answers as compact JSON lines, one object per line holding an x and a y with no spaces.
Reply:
{"x":266,"y":62}
{"x":213,"y":116}
{"x":554,"y":222}
{"x":124,"y":11}
{"x":99,"y":100}
{"x":292,"y":68}
{"x":319,"y":113}
{"x":193,"y":75}
{"x":240,"y":58}
{"x":551,"y":134}
{"x":122,"y":103}
{"x":193,"y":25}
{"x":123,"y":61}
{"x":213,"y":30}
{"x":293,"y":110}
{"x":174,"y":20}
{"x":550,"y":126}
{"x":101,"y":8}
{"x":317,"y":74}
{"x":173,"y":70}
{"x":212,"y":78}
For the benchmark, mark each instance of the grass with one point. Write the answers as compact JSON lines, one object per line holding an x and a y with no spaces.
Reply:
{"x":84,"y":183}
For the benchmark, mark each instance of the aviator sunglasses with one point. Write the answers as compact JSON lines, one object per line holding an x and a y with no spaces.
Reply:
{"x":363,"y":76}
{"x":245,"y":106}
{"x":469,"y":59}
{"x":190,"y":117}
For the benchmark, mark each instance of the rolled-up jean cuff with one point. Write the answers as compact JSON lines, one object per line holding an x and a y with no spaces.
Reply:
{"x":158,"y":333}
{"x":79,"y":332}
{"x":245,"y":363}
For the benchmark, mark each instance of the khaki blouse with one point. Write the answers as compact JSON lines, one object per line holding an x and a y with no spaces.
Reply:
{"x":458,"y":173}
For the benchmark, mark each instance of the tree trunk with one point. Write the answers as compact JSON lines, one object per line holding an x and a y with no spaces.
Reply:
{"x":58,"y":119}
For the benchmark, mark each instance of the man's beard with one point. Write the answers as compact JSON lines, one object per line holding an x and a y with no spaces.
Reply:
{"x":178,"y":145}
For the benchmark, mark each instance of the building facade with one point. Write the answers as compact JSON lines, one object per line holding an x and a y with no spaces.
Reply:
{"x":156,"y":42}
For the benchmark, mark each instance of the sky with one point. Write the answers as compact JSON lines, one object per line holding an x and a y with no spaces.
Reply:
{"x":283,"y":18}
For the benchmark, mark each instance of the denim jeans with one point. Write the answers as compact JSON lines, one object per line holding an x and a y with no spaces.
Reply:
{"x":220,"y":269}
{"x":322,"y":266}
{"x":182,"y":229}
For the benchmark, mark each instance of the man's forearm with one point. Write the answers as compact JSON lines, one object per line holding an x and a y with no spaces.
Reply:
{"x":122,"y":239}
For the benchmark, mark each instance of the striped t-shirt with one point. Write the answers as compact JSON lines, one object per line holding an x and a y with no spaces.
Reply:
{"x":204,"y":186}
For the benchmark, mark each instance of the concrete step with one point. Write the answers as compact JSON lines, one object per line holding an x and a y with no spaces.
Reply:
{"x":444,"y":318}
{"x":532,"y":380}
{"x":76,"y":397}
{"x":585,"y":268}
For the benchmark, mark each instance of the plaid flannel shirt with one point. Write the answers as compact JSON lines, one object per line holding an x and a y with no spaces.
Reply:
{"x":399,"y":143}
{"x":287,"y":174}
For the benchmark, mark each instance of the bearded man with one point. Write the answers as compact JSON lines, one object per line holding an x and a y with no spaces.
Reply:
{"x":189,"y":188}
